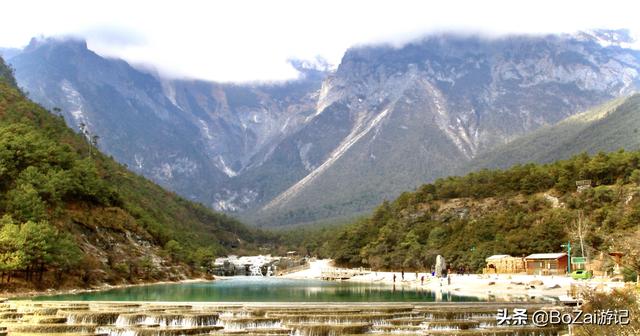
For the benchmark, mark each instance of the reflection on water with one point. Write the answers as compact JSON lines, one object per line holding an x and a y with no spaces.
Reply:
{"x":258,"y":289}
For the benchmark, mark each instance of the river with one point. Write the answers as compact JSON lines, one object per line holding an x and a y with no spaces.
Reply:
{"x":263,"y":289}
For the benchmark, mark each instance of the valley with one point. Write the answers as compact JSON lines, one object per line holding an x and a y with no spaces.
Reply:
{"x":429,"y":108}
{"x":388,"y":115}
{"x":428,"y":185}
{"x":317,"y":114}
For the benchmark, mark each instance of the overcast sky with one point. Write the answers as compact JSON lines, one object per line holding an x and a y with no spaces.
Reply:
{"x":241,"y":40}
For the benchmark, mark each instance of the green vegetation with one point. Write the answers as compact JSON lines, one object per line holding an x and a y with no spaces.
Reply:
{"x":525,"y":209}
{"x":6,"y":74}
{"x":67,"y":207}
{"x":33,"y":248}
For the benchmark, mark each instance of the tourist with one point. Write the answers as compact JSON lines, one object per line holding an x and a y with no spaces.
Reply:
{"x":394,"y":278}
{"x":402,"y":274}
{"x":422,"y":281}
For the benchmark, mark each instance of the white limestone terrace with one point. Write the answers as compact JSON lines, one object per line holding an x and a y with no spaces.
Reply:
{"x":266,"y":318}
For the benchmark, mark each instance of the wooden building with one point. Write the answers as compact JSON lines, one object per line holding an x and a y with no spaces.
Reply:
{"x":547,"y":263}
{"x":505,"y":264}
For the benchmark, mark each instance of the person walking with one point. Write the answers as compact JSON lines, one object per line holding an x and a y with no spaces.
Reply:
{"x":422,"y":281}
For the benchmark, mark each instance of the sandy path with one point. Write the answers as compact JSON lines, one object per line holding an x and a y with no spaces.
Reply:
{"x":313,"y":272}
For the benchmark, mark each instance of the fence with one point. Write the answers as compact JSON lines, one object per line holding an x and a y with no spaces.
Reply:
{"x":343,"y":273}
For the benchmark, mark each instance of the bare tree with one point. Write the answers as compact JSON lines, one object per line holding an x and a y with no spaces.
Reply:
{"x":631,"y":248}
{"x":92,"y":138}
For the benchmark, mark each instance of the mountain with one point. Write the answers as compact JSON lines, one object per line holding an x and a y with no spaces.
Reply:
{"x":518,"y":211}
{"x":7,"y":53}
{"x":55,"y":184}
{"x":609,"y":127}
{"x":189,"y":136}
{"x":332,"y":143}
{"x":422,"y":111}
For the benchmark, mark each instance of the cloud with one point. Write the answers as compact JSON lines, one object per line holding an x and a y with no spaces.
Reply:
{"x":248,"y":40}
{"x":112,"y":36}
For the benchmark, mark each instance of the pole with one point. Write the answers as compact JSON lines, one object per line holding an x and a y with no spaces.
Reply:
{"x":569,"y":257}
{"x":580,"y":232}
{"x":568,"y":246}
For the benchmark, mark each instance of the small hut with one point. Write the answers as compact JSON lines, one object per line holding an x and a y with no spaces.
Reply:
{"x":503,"y":263}
{"x":547,"y":263}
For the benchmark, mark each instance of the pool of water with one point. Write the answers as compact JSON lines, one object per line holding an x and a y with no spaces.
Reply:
{"x":258,"y":289}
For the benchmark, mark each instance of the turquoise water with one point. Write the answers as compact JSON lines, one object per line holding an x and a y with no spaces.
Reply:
{"x":257,"y":289}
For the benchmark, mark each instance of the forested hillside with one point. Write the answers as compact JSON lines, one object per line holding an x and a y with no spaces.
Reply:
{"x":525,"y":209}
{"x":67,"y":209}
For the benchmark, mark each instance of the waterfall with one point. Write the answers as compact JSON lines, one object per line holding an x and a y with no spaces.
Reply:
{"x":306,"y":319}
{"x":255,"y":270}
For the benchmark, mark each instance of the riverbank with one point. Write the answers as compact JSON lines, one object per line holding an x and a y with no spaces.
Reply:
{"x":503,"y":287}
{"x":104,"y":287}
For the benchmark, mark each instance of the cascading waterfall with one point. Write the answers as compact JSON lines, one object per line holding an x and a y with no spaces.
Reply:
{"x":255,"y":270}
{"x":250,"y":323}
{"x":89,"y":317}
{"x":153,"y":319}
{"x":126,"y":320}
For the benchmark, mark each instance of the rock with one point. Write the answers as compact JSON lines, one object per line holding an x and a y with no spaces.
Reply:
{"x":441,"y":266}
{"x":556,"y":286}
{"x":536,"y":283}
{"x":491,"y":283}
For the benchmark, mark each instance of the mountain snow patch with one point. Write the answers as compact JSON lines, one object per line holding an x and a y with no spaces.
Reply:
{"x":75,"y":103}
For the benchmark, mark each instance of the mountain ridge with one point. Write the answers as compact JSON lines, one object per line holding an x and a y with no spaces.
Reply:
{"x":332,"y":143}
{"x":608,"y":127}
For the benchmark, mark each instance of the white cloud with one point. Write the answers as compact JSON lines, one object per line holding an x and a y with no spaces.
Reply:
{"x":252,"y":40}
